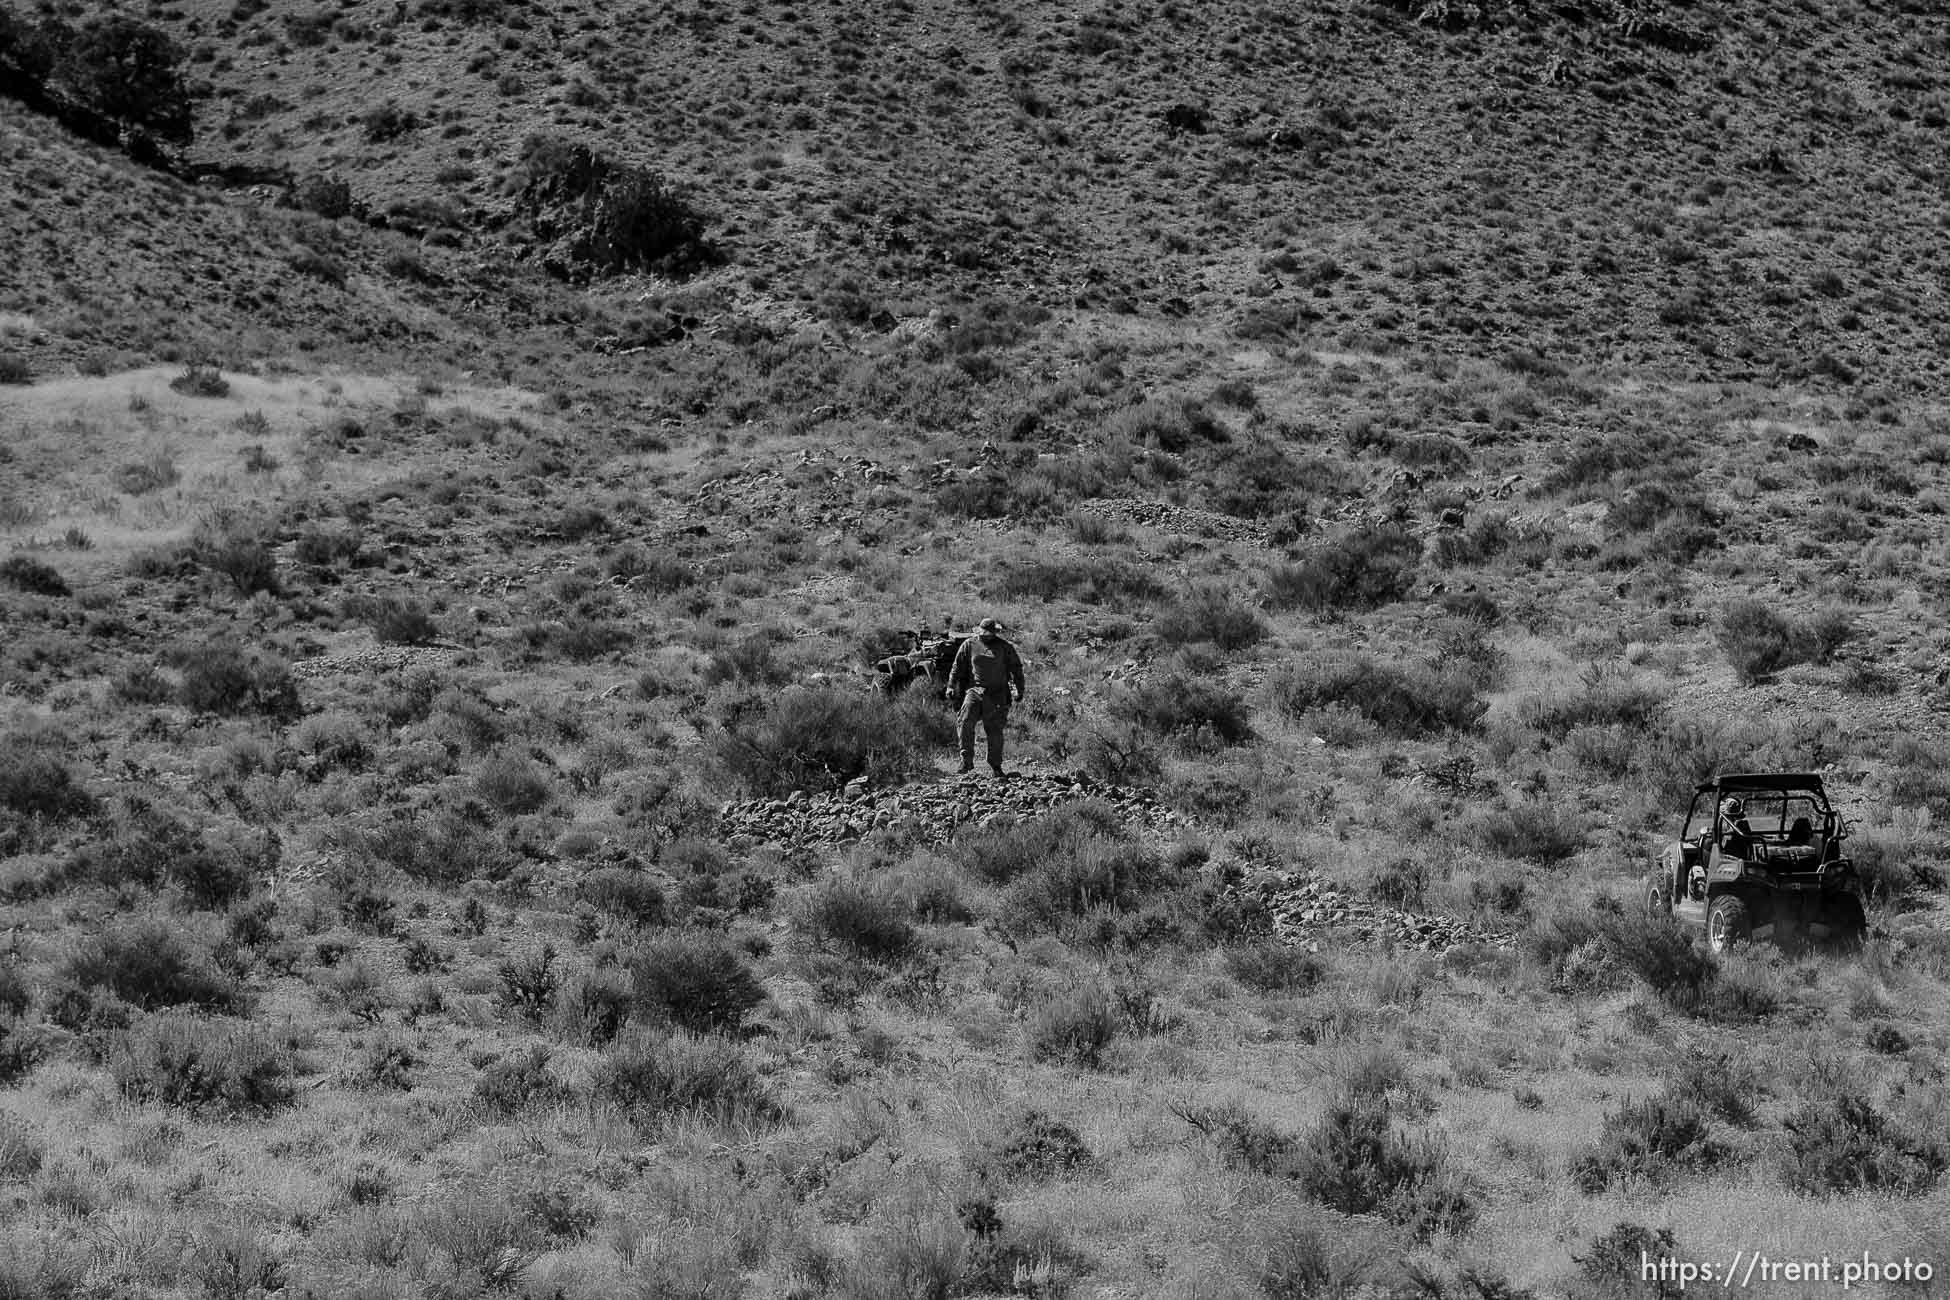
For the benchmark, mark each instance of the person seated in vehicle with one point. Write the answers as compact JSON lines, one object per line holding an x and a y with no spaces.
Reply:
{"x":1801,"y":832}
{"x":1736,"y":836}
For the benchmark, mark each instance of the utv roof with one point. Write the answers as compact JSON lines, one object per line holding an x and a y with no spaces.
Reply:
{"x":1763,"y":781}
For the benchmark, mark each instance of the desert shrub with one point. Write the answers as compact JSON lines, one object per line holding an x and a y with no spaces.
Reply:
{"x":1919,"y":776}
{"x":1720,"y":1084}
{"x":386,"y":1064}
{"x":201,"y":1065}
{"x":24,"y":573}
{"x":34,"y":783}
{"x":13,"y":370}
{"x":21,"y":1153}
{"x":1211,"y":614}
{"x":1108,"y":873}
{"x":1355,"y":569}
{"x":1613,"y":1265}
{"x":1074,"y":1028}
{"x":520,"y":1083}
{"x":1121,"y":753}
{"x":696,"y":981}
{"x":321,"y":548}
{"x":593,"y":1009}
{"x":578,"y":638}
{"x":1272,"y":967}
{"x":752,"y":659}
{"x":1648,"y":1140}
{"x":246,"y":561}
{"x":151,"y":849}
{"x":442,"y":849}
{"x":512,"y":784}
{"x":1535,"y":830}
{"x":654,"y":1080}
{"x":140,"y":476}
{"x":403,"y":622}
{"x":1031,"y":1144}
{"x":148,"y":966}
{"x":129,"y":70}
{"x":1001,"y":854}
{"x":1090,"y":580}
{"x":1759,"y":641}
{"x":1168,"y":425}
{"x":1356,"y":1162}
{"x":629,"y":896}
{"x":529,"y":982}
{"x":1193,"y":708}
{"x":624,"y":218}
{"x":220,"y":678}
{"x":1842,"y":1144}
{"x":1411,"y":699}
{"x":327,"y":194}
{"x":1243,"y":1141}
{"x":1601,"y":699}
{"x":822,"y":737}
{"x":332,"y":740}
{"x":864,"y":922}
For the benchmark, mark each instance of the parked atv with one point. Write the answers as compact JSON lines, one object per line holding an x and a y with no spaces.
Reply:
{"x":926,"y":661}
{"x":1760,"y":857}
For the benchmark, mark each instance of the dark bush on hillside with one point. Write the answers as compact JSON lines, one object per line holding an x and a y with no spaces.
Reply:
{"x":36,"y":784}
{"x":321,"y":548}
{"x":200,"y":379}
{"x":999,"y":855}
{"x":629,"y":896}
{"x":1759,"y":641}
{"x":24,"y":573}
{"x":1354,"y":570}
{"x":403,"y":622}
{"x":696,"y":981}
{"x":1356,"y":1162}
{"x":1613,"y":1265}
{"x":1271,"y":967}
{"x":1210,"y":614}
{"x":443,"y":848}
{"x":1170,"y":426}
{"x":1403,"y":699}
{"x":128,"y":70}
{"x":1074,"y":1028}
{"x":220,"y":678}
{"x":203,"y":1066}
{"x":813,"y":738}
{"x":1094,"y":580}
{"x":1533,"y":830}
{"x":512,"y":784}
{"x":518,"y":1084}
{"x":1601,"y":699}
{"x":617,"y":217}
{"x":1842,"y":1145}
{"x":578,"y":638}
{"x":1034,"y":1145}
{"x":1178,"y":704}
{"x":1095,"y":874}
{"x":330,"y":196}
{"x":152,"y":849}
{"x":1647,"y":1140}
{"x":752,"y":660}
{"x":861,"y":921}
{"x":246,"y":561}
{"x":147,"y":966}
{"x":656,"y":1080}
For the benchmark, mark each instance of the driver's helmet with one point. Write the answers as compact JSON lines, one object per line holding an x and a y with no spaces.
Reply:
{"x":1732,"y":809}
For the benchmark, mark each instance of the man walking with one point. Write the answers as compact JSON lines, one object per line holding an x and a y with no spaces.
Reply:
{"x":985,"y":668}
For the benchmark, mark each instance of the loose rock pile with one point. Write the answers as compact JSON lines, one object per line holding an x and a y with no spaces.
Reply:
{"x":380,"y":659}
{"x":1303,"y":905}
{"x":925,"y":813}
{"x":1169,"y":518}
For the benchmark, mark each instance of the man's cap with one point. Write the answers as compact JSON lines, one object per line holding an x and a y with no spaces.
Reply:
{"x":989,"y":625}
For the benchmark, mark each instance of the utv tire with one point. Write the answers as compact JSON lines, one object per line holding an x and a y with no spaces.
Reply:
{"x":1658,"y":895}
{"x":1728,"y":922}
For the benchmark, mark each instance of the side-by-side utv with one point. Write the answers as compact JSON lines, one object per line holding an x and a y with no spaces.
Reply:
{"x":1760,"y":857}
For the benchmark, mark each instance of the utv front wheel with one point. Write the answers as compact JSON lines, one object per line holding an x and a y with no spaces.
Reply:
{"x":1658,"y":895}
{"x":1847,"y":926}
{"x":1728,"y":922}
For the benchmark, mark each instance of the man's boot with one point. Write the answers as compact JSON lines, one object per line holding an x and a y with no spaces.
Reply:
{"x":997,"y":769}
{"x":967,"y":766}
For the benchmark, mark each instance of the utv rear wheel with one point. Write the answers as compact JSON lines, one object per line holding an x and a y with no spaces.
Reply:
{"x":1728,"y":922}
{"x":1658,"y":894}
